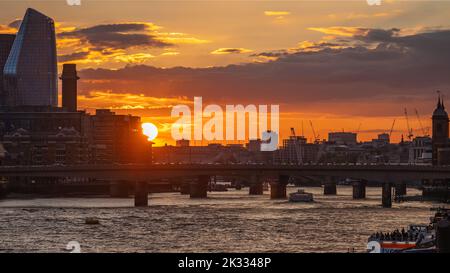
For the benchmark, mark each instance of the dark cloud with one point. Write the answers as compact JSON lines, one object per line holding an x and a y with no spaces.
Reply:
{"x":73,"y":57}
{"x":407,"y":67}
{"x":230,"y":50}
{"x":15,"y":24}
{"x":379,"y":35}
{"x":117,"y":36}
{"x":270,"y":54}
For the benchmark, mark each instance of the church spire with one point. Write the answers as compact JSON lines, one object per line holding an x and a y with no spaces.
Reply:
{"x":439,"y":104}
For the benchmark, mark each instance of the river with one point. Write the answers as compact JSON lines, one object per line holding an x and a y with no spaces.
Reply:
{"x":229,"y":221}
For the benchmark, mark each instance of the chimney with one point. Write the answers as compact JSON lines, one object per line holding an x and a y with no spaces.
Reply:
{"x":69,"y":87}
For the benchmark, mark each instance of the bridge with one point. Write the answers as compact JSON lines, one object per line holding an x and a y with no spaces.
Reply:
{"x":389,"y":175}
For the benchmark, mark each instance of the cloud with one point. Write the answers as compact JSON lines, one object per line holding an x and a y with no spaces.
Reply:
{"x":76,"y":56}
{"x":341,"y":31}
{"x":4,"y":29}
{"x":230,"y":50}
{"x":15,"y":24}
{"x":276,"y":13}
{"x":110,"y":44}
{"x":373,"y":74}
{"x":118,"y":36}
{"x":134,"y":58}
{"x":127,"y":101}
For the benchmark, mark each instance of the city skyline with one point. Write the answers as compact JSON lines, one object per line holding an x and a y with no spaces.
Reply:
{"x":224,"y":128}
{"x":341,"y":99}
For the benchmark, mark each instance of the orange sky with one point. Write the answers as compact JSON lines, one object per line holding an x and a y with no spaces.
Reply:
{"x":343,"y":65}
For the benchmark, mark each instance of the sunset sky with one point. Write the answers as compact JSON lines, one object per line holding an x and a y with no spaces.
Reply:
{"x":337,"y":63}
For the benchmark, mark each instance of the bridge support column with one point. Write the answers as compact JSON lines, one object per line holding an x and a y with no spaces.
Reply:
{"x":278,"y":189}
{"x":386,"y":196}
{"x":185,"y":188}
{"x":256,"y":187}
{"x":329,"y":187}
{"x":118,"y":189}
{"x":443,"y":236}
{"x":141,"y":194}
{"x":359,"y":190}
{"x":199,"y":188}
{"x":400,"y":189}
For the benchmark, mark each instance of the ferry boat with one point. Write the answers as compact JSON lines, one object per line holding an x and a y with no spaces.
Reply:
{"x":301,"y":196}
{"x":417,"y":238}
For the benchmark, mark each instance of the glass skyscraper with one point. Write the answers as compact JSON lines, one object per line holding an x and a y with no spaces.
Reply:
{"x":30,"y":73}
{"x":6,"y":42}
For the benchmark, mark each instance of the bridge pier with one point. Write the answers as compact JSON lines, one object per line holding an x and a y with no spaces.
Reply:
{"x":359,"y":189}
{"x":278,"y":189}
{"x":400,"y":189}
{"x":141,"y":194}
{"x":199,"y":188}
{"x":329,"y":187}
{"x":256,"y":187}
{"x":386,"y":196}
{"x":118,"y":189}
{"x":185,"y":188}
{"x":443,"y":236}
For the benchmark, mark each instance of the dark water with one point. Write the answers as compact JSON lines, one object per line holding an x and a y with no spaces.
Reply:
{"x":225,"y":222}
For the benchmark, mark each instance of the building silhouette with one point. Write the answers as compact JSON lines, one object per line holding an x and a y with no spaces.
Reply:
{"x":6,"y":42}
{"x":30,"y":73}
{"x":440,"y":141}
{"x":69,"y":80}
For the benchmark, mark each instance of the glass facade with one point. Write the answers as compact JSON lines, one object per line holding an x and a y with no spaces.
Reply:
{"x":30,"y":73}
{"x":6,"y":42}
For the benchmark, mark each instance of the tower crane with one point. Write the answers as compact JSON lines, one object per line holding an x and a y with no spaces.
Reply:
{"x":392,"y":128}
{"x":316,"y":137}
{"x":424,"y":132}
{"x":297,"y":145}
{"x":410,"y":131}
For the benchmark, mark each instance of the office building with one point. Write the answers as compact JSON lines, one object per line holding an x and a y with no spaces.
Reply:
{"x":6,"y":42}
{"x":30,"y":73}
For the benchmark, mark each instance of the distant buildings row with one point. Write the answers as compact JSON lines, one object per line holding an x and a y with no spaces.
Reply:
{"x":35,"y":131}
{"x":340,"y":148}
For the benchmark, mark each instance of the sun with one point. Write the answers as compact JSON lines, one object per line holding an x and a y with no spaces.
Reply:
{"x":150,"y":130}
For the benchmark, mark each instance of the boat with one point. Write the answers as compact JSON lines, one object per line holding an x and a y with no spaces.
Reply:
{"x":416,"y":238}
{"x":301,"y":196}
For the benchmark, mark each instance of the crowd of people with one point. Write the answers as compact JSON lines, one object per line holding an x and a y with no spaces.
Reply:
{"x":412,"y":235}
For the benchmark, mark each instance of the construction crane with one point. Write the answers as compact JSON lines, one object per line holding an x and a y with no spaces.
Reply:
{"x":359,"y":128}
{"x":316,"y":137}
{"x":410,"y":131}
{"x":392,"y":128}
{"x":297,"y":145}
{"x":424,"y":132}
{"x":303,"y":132}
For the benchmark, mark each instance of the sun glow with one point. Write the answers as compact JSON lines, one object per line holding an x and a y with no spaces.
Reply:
{"x":150,"y":130}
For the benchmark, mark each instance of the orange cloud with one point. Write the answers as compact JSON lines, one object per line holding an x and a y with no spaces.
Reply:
{"x":137,"y":58}
{"x":127,"y":101}
{"x":230,"y":50}
{"x":341,"y":31}
{"x":276,"y":13}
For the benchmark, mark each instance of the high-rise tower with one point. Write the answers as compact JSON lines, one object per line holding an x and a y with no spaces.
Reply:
{"x":440,"y":129}
{"x":6,"y":42}
{"x":30,"y":73}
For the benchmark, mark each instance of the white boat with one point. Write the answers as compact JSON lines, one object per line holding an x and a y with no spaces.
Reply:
{"x":301,"y":196}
